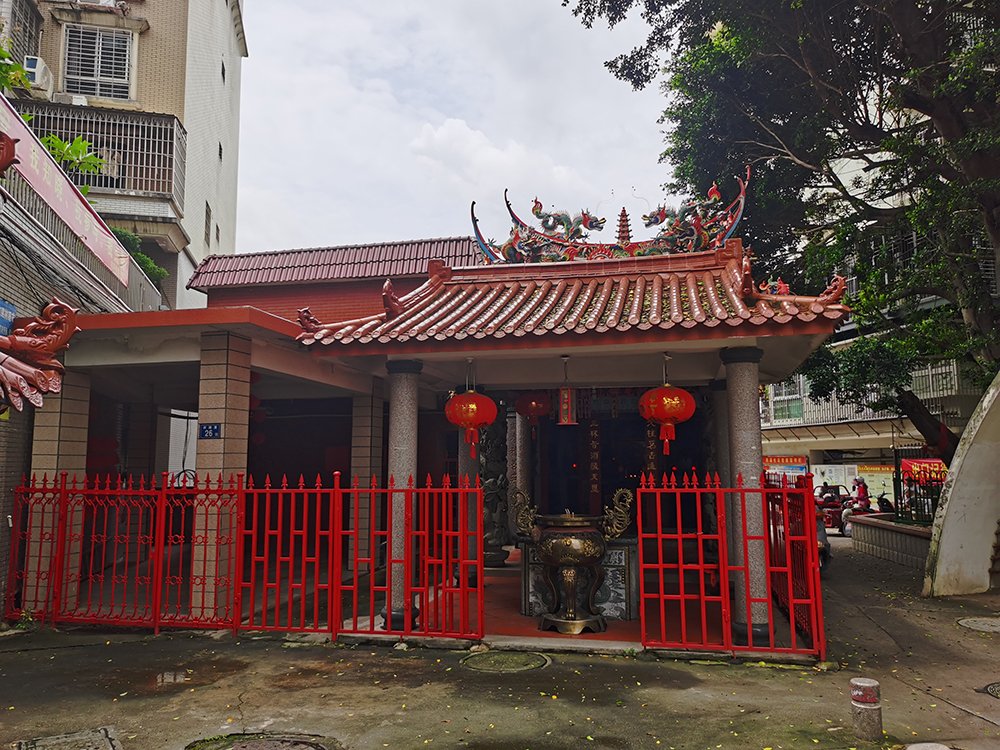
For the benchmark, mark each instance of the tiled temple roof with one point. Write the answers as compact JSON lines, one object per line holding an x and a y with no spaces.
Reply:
{"x":316,"y":264}
{"x":688,"y":291}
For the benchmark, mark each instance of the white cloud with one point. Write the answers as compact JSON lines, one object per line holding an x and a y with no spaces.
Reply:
{"x":368,"y":122}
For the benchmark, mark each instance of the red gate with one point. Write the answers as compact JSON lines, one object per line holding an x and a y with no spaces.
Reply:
{"x":125,"y":553}
{"x":276,"y":558}
{"x":335,"y":560}
{"x":751,"y":585}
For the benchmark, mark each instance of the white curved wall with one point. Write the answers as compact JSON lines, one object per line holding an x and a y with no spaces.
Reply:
{"x":965,"y":527}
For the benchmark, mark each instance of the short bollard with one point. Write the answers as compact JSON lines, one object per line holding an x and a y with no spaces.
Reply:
{"x":866,"y":707}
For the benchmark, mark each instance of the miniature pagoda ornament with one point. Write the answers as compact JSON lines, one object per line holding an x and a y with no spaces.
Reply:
{"x":696,"y":226}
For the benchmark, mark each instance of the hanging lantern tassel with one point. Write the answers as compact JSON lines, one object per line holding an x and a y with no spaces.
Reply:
{"x":666,"y":435}
{"x":472,"y":437}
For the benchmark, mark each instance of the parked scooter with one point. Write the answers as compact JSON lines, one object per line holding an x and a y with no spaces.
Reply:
{"x":855,"y":508}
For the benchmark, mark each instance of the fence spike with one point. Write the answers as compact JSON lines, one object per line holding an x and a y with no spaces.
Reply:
{"x":374,"y":482}
{"x":673,"y":480}
{"x":267,"y":481}
{"x":429,"y":482}
{"x":355,"y":484}
{"x":302,"y":482}
{"x":319,"y":479}
{"x":739,"y":480}
{"x":392,"y":482}
{"x":477,"y":481}
{"x":409,"y":482}
{"x":446,"y":481}
{"x":284,"y":481}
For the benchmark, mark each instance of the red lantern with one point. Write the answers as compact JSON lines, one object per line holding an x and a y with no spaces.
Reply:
{"x":471,"y":411}
{"x":666,"y":406}
{"x":533,"y":405}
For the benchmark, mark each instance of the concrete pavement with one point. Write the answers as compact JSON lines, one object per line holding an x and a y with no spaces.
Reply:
{"x":174,"y":690}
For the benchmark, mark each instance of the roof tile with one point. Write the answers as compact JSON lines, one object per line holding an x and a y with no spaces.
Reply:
{"x":387,"y":259}
{"x":601,"y":296}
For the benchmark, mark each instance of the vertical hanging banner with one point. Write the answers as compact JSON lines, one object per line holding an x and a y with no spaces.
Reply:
{"x":594,"y":465}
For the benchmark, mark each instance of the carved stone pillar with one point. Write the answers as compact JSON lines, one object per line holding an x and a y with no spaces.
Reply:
{"x":493,"y":444}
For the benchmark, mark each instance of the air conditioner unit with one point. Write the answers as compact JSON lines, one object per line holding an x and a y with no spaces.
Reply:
{"x":39,"y":76}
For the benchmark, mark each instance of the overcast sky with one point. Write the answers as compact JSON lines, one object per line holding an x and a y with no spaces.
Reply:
{"x":379,"y":120}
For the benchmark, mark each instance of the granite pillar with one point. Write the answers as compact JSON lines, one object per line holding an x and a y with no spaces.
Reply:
{"x":404,"y":376}
{"x":511,"y":463}
{"x":748,"y":521}
{"x":720,"y":419}
{"x":523,"y":439}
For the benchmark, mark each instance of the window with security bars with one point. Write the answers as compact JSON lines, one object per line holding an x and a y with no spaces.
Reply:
{"x":23,"y":29}
{"x":98,"y":61}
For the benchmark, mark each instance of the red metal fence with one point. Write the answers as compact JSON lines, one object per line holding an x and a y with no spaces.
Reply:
{"x":750,"y":586}
{"x":219,"y":554}
{"x":325,"y":560}
{"x":124,"y":552}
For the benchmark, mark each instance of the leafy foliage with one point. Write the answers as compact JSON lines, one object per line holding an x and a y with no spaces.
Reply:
{"x":12,"y":73}
{"x":874,"y":133}
{"x":133,"y":244}
{"x":74,"y":156}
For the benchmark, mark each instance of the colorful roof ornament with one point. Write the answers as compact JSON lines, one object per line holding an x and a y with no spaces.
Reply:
{"x":696,"y":226}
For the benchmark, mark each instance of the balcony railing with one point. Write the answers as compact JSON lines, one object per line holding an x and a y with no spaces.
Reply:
{"x":145,"y":153}
{"x":139,"y":294}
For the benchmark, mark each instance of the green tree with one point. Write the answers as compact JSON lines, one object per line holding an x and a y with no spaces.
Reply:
{"x":865,"y":121}
{"x":133,"y":244}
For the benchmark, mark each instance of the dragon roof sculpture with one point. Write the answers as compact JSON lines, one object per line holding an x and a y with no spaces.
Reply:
{"x":696,"y":226}
{"x":28,"y":366}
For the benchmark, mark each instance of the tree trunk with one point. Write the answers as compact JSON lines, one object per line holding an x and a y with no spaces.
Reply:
{"x":942,"y":440}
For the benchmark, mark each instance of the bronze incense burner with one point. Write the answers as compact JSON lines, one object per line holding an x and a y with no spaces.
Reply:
{"x":572,"y":548}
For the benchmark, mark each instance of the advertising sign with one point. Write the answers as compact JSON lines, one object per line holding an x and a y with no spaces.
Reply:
{"x":47,"y":179}
{"x":834,"y":474}
{"x":795,"y":466}
{"x":879,"y":480}
{"x":7,"y":314}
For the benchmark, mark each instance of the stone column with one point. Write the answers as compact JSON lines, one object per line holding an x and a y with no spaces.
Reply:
{"x":404,"y":376}
{"x":511,"y":464}
{"x":746,"y":462}
{"x":524,"y":455}
{"x":366,"y":462}
{"x":493,"y":460}
{"x":720,"y":417}
{"x":59,"y":444}
{"x":223,"y":401}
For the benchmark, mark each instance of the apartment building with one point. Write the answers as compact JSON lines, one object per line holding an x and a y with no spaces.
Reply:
{"x":155,"y":88}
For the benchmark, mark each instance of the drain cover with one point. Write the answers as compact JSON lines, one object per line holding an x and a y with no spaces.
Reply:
{"x":982,"y":624}
{"x":278,"y":744}
{"x":993,"y":689}
{"x":266,"y":742}
{"x":505,"y":661}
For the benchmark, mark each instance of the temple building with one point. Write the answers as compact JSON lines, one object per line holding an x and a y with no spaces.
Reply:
{"x":347,"y":367}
